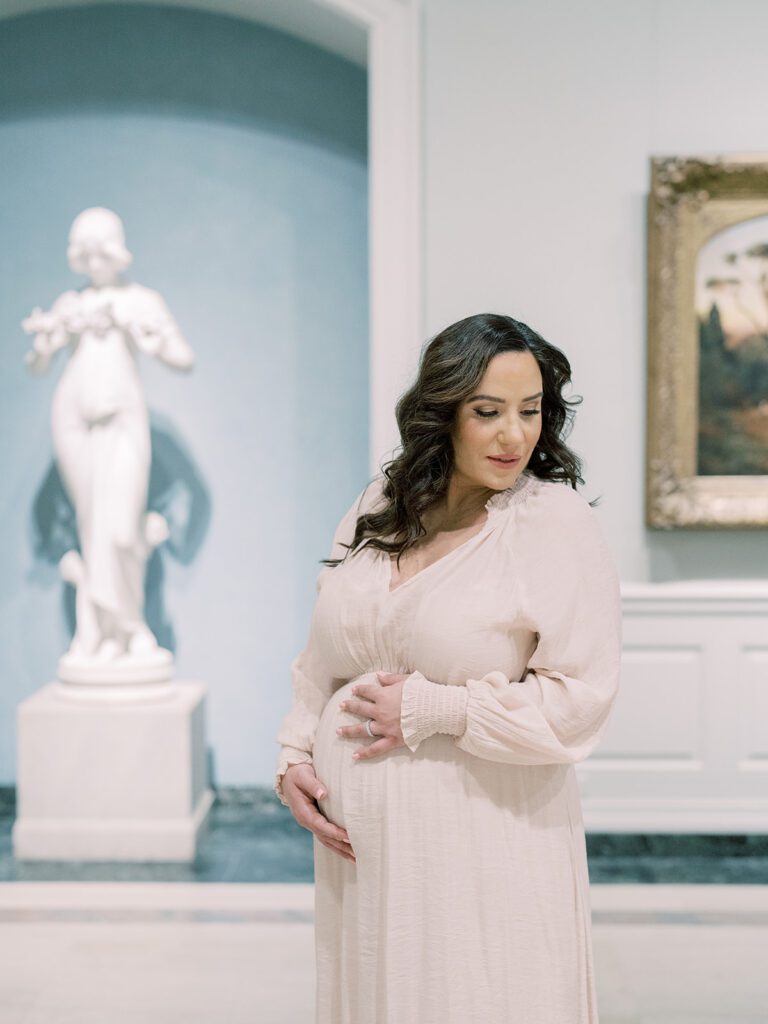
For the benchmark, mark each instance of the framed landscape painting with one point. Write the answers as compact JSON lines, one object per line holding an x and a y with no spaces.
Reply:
{"x":707,"y":432}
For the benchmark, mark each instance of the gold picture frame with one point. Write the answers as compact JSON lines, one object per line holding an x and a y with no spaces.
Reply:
{"x":707,"y":426}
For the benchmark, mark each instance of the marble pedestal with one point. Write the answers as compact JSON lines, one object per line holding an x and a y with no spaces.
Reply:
{"x":122,"y":781}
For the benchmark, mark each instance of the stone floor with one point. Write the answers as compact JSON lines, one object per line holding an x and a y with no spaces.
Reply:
{"x":218,"y":953}
{"x":252,"y":837}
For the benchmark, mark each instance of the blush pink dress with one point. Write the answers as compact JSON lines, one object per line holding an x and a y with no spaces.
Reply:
{"x":469,"y":900}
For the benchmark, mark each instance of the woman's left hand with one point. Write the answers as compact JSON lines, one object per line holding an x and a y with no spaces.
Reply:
{"x":382,"y":705}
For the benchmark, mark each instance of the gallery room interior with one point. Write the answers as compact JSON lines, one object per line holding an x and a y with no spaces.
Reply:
{"x":283,"y":247}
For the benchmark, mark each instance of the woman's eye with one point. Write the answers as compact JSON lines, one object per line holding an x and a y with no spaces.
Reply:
{"x":486,"y":413}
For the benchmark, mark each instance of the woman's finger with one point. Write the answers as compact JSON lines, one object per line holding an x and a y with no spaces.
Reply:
{"x":357,"y":730}
{"x":320,"y":824}
{"x":308,"y":816}
{"x":356,"y":707}
{"x":379,"y":747}
{"x":310,"y":784}
{"x":387,"y":678}
{"x":339,"y":848}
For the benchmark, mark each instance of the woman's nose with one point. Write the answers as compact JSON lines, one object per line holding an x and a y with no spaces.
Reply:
{"x":511,"y":436}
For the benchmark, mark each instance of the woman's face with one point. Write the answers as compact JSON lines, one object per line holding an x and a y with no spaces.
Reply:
{"x":502,"y":416}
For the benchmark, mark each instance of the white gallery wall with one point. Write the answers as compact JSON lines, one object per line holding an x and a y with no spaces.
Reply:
{"x":540,"y":117}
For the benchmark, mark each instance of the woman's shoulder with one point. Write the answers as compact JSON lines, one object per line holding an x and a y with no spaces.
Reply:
{"x":372,"y":494}
{"x":546,"y":509}
{"x":559,"y":497}
{"x":364,"y":502}
{"x":558,"y":524}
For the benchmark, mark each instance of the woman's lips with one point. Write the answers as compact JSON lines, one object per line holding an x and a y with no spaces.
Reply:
{"x":504,"y":463}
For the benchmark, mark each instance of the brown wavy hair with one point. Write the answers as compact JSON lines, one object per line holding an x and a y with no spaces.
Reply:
{"x":450,"y":369}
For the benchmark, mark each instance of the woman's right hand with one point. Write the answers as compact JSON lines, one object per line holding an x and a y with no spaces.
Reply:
{"x":301,"y":788}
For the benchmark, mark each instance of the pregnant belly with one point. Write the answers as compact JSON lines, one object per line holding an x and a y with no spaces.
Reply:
{"x":355,"y":789}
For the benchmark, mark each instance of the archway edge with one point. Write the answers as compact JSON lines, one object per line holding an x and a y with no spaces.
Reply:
{"x":385,"y":35}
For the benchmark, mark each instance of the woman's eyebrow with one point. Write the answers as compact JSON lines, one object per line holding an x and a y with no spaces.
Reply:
{"x":490,"y":398}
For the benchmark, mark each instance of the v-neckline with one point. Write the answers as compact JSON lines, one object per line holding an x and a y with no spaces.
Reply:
{"x":495,"y":505}
{"x":438,"y":561}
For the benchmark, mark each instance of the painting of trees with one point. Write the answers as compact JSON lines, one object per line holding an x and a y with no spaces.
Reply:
{"x":732,"y":314}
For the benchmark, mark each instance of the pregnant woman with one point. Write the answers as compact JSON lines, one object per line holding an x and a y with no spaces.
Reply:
{"x":463,"y":655}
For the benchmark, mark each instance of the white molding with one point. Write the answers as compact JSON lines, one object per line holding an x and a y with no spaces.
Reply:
{"x":396,"y":323}
{"x":731,"y":816}
{"x":696,"y":597}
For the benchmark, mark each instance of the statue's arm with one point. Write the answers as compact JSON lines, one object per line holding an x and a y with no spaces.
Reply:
{"x":51,"y":332}
{"x":161,"y":336}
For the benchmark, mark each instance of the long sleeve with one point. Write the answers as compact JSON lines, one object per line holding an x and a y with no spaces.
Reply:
{"x":569,"y":596}
{"x":311,"y":686}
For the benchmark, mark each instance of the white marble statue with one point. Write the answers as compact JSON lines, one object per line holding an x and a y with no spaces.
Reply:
{"x":101,"y":440}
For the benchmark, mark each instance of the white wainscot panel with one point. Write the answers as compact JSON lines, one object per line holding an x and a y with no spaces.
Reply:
{"x":753,"y":672}
{"x":656,"y":716}
{"x":686,"y":747}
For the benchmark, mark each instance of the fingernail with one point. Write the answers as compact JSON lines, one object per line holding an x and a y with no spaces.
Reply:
{"x":355,"y":756}
{"x":338,"y":731}
{"x":320,"y":792}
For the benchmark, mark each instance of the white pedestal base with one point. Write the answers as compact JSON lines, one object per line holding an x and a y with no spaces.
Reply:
{"x":152,"y":667}
{"x":122,"y":781}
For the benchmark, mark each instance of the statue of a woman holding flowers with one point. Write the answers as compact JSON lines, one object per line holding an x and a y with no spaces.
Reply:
{"x":101,"y":440}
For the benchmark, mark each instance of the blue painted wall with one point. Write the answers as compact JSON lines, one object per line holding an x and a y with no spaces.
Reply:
{"x":236,"y":157}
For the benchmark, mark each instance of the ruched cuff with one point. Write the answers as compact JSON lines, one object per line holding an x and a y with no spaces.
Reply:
{"x":430,"y":707}
{"x":288,"y":757}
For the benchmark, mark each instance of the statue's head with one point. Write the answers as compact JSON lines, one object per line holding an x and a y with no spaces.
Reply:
{"x":97,"y":245}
